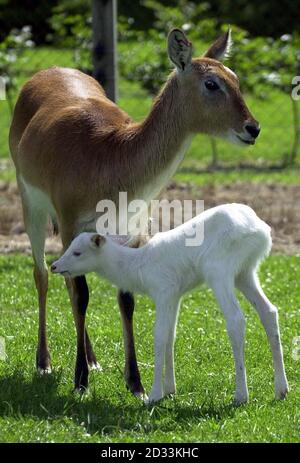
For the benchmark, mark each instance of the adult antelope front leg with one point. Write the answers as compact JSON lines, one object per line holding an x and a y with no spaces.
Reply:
{"x":79,"y":299}
{"x":35,"y":220}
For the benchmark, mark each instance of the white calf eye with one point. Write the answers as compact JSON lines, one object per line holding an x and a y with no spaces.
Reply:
{"x":76,"y":253}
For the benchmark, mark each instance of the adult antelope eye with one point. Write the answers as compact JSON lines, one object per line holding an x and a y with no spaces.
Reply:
{"x":211,"y":85}
{"x":76,"y":253}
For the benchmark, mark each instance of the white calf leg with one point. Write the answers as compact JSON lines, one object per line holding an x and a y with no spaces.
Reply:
{"x":162,"y":328}
{"x":169,"y":383}
{"x":235,"y":321}
{"x":268,"y":313}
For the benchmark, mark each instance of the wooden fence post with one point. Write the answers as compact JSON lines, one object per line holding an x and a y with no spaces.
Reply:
{"x":105,"y":45}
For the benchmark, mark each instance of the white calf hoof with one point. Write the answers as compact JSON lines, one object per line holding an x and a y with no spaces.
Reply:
{"x":282,"y":393}
{"x":170,"y":391}
{"x":240,"y":400}
{"x":153,"y":399}
{"x":44,"y":371}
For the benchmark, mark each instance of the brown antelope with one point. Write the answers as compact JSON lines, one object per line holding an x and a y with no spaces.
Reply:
{"x":72,"y":147}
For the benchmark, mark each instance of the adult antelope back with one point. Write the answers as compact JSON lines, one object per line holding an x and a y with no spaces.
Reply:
{"x":72,"y":147}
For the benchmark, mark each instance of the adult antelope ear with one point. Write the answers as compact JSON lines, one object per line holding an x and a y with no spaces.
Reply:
{"x":97,"y":240}
{"x":179,"y":49}
{"x":221,"y":48}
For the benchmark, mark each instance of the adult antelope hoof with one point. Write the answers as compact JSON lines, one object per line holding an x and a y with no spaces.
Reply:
{"x":92,"y":359}
{"x":81,"y":378}
{"x":141,"y":396}
{"x":136,"y":388}
{"x":79,"y":390}
{"x":95,"y":366}
{"x":43,"y":363}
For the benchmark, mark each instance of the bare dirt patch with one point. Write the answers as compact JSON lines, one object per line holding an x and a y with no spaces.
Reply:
{"x":277,"y":204}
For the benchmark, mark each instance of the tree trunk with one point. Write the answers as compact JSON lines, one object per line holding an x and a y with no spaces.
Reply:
{"x":104,"y":45}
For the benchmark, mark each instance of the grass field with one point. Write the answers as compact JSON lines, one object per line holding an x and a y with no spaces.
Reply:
{"x":45,"y":409}
{"x":34,"y":409}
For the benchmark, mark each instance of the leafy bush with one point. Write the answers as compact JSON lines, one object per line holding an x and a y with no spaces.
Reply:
{"x":71,"y":23}
{"x":11,"y":50}
{"x":16,"y":14}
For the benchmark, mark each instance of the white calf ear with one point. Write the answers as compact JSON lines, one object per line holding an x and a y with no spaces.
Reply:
{"x":179,"y":49}
{"x":97,"y":240}
{"x":220,"y":49}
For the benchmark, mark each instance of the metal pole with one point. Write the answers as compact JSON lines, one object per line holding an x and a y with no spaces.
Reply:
{"x":105,"y":45}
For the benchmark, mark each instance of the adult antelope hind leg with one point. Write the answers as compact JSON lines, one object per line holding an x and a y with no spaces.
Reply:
{"x":131,"y":373}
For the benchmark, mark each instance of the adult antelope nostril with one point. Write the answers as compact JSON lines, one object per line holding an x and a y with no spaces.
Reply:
{"x":253,"y":130}
{"x":53,"y":268}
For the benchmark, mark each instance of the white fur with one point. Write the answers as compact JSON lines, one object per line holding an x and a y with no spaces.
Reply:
{"x":235,"y":241}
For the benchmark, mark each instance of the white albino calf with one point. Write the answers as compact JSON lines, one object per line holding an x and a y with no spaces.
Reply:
{"x":235,"y":241}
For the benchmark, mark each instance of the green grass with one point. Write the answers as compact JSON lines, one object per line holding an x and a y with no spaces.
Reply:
{"x":34,"y":409}
{"x":287,"y":176}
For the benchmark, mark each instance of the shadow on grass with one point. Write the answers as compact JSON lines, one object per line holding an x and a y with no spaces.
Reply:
{"x":40,"y":399}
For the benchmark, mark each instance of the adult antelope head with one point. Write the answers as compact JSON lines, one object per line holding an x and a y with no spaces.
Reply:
{"x":210,"y":91}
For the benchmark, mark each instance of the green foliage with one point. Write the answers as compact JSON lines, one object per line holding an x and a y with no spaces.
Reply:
{"x":11,"y":50}
{"x":16,"y":14}
{"x":71,"y":24}
{"x":264,"y":64}
{"x":261,"y":63}
{"x":152,"y":66}
{"x":44,"y":409}
{"x":267,"y":18}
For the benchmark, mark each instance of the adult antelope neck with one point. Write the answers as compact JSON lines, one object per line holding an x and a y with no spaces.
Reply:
{"x":149,"y":152}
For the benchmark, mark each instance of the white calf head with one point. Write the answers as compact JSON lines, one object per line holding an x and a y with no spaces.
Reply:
{"x":81,"y":257}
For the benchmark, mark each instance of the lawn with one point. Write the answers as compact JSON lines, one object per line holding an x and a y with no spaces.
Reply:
{"x":44,"y":409}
